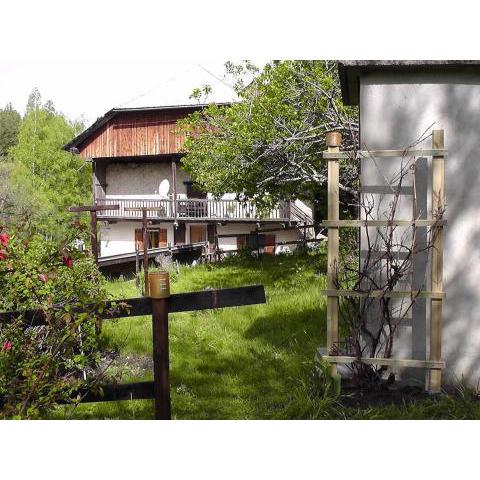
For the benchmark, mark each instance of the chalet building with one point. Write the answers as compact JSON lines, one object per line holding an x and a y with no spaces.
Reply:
{"x":136,"y":156}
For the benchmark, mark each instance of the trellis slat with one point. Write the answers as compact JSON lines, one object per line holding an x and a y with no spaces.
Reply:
{"x":390,"y":362}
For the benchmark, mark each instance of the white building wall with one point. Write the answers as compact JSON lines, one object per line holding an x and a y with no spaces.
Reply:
{"x":153,"y":180}
{"x":395,"y":109}
{"x":230,"y":243}
{"x":117,"y":238}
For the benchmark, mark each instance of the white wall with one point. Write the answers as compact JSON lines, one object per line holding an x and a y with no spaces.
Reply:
{"x":230,"y":243}
{"x":394,"y":110}
{"x":117,"y":238}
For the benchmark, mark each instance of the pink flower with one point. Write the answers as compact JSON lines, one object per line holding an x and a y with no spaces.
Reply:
{"x":4,"y":238}
{"x":2,"y":254}
{"x":67,"y":260}
{"x":7,"y":346}
{"x":42,"y":277}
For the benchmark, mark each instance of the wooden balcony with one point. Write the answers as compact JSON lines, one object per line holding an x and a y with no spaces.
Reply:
{"x":200,"y":210}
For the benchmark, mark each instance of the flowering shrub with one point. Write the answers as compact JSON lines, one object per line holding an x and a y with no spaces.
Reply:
{"x":43,"y":364}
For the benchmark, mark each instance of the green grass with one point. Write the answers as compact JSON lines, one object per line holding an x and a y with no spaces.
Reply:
{"x":252,"y":362}
{"x":232,"y":363}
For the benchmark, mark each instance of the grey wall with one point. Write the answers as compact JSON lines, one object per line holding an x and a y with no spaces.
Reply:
{"x":143,"y":179}
{"x":395,"y":109}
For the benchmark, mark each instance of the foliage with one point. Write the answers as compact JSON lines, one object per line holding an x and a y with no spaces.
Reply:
{"x":41,"y":365}
{"x":267,"y":147}
{"x":42,"y":179}
{"x":9,"y":125}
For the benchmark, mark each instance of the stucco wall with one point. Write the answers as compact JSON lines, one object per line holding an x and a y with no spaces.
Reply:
{"x":395,"y":109}
{"x":116,"y":238}
{"x":230,"y":243}
{"x":143,"y":180}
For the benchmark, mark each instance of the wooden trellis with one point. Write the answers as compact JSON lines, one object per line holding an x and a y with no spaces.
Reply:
{"x":436,"y":295}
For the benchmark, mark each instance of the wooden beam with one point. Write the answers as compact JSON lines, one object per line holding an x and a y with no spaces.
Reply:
{"x":382,"y":293}
{"x":406,"y":153}
{"x":94,"y":234}
{"x":179,"y":302}
{"x":382,"y":223}
{"x":438,"y":206}
{"x":142,"y":209}
{"x":129,"y":391}
{"x":161,"y":360}
{"x":93,"y":208}
{"x":174,"y":188}
{"x":440,"y":152}
{"x":389,"y":362}
{"x":145,"y":252}
{"x":333,"y":140}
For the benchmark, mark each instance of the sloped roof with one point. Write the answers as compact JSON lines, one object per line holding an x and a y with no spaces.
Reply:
{"x":349,"y":71}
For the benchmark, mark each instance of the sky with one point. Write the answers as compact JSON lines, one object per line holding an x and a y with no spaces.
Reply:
{"x":88,"y":89}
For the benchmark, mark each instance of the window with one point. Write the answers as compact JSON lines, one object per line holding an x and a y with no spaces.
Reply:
{"x":156,"y":238}
{"x":265,"y":242}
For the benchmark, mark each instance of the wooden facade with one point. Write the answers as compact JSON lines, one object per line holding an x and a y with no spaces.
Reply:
{"x":133,"y":134}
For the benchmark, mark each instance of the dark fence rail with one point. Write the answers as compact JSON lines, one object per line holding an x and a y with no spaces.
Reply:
{"x":178,"y":302}
{"x":159,"y":309}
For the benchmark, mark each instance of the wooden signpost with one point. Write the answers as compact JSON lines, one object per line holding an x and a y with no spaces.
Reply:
{"x":93,"y":209}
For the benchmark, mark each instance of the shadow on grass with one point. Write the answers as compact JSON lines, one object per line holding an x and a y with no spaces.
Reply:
{"x":234,"y":363}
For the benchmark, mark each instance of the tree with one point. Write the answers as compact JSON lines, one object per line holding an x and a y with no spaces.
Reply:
{"x":267,"y":147}
{"x":9,"y":125}
{"x":44,"y":179}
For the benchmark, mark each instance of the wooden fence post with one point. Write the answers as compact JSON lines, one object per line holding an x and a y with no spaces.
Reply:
{"x":333,"y":141}
{"x":160,"y":291}
{"x":438,"y":206}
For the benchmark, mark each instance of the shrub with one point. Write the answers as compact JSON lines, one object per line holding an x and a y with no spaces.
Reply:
{"x":41,"y":366}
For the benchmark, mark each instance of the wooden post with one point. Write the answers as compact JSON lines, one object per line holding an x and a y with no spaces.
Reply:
{"x":217,"y":250}
{"x":333,"y":141}
{"x":93,"y":234}
{"x":438,"y":206}
{"x":160,"y":291}
{"x":137,"y":261}
{"x":145,"y":251}
{"x":258,"y":241}
{"x":174,"y":189}
{"x":93,"y":209}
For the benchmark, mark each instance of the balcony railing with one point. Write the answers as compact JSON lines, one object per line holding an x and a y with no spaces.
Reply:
{"x":197,"y":209}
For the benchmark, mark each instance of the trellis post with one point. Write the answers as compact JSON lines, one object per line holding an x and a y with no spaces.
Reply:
{"x":333,"y":141}
{"x":438,"y":206}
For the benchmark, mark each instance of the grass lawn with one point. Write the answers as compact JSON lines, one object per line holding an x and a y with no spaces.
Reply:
{"x":252,"y":362}
{"x":233,"y":363}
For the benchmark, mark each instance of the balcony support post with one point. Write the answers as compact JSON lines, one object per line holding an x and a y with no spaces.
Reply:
{"x":174,"y":189}
{"x":145,"y":252}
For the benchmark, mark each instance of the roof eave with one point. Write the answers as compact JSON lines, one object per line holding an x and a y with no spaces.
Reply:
{"x":349,"y":71}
